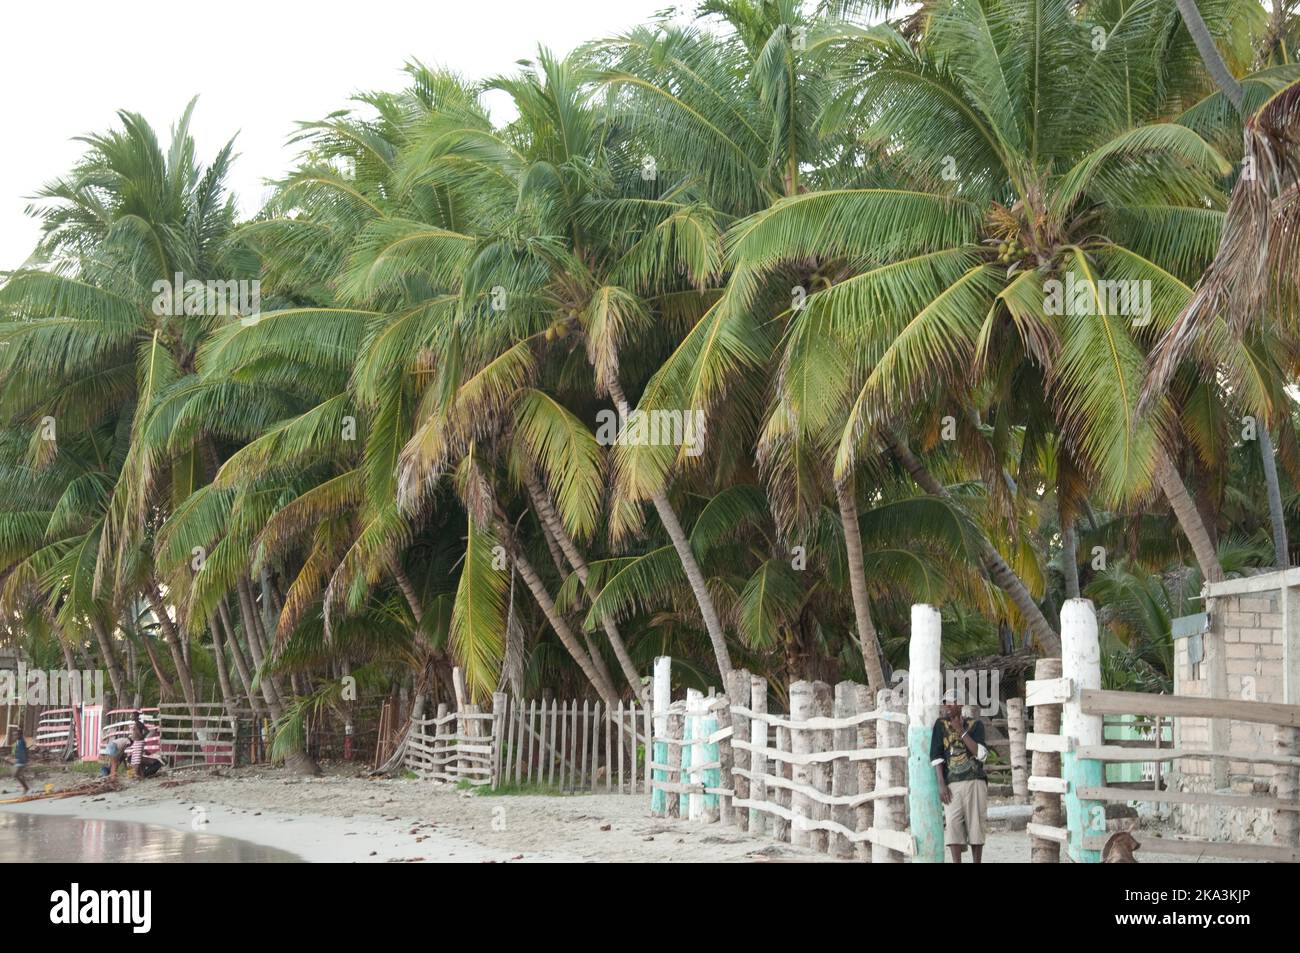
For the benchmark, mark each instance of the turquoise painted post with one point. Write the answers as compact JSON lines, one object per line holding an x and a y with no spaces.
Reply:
{"x":662,"y":696}
{"x":924,"y":692}
{"x":708,"y":754}
{"x":684,"y":753}
{"x":1081,"y":665}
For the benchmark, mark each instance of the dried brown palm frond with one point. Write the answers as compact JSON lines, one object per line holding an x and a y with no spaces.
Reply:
{"x":1256,"y":271}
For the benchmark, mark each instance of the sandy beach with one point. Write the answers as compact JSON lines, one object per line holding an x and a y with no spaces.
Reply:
{"x":346,"y":817}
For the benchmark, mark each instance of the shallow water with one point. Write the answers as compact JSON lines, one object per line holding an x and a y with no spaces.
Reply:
{"x":47,"y":838}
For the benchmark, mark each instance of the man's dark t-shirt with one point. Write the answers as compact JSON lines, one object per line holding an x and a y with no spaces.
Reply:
{"x":958,"y":763}
{"x":20,"y":753}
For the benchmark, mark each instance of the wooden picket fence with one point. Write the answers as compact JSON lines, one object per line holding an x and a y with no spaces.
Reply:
{"x":574,"y":746}
{"x":569,"y":745}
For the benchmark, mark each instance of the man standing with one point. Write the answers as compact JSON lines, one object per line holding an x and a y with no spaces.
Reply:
{"x":957,"y":753}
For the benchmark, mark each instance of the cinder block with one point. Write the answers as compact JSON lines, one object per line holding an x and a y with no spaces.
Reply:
{"x":1263,"y":636}
{"x":1243,"y":619}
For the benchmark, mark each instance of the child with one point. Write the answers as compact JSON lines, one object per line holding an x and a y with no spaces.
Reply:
{"x":141,"y":766}
{"x":20,"y":759}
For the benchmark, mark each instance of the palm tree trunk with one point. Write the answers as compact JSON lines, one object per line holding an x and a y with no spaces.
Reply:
{"x":691,"y":566}
{"x":1226,"y":82}
{"x":534,"y":583}
{"x":242,"y":667}
{"x":1069,"y":558}
{"x":223,"y":673}
{"x":1188,"y":516}
{"x":995,"y":567}
{"x":1276,"y":515}
{"x":165,"y":686}
{"x":554,"y":527}
{"x":115,"y":674}
{"x":182,"y":665}
{"x":1218,"y":69}
{"x":512,"y":665}
{"x":296,"y":758}
{"x":868,"y":640}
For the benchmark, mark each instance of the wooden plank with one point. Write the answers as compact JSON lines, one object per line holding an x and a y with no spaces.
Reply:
{"x":1150,"y":844}
{"x":1100,"y":702}
{"x":555,"y":717}
{"x":776,"y":721}
{"x":1057,"y":835}
{"x":1051,"y":743}
{"x":595,"y":745}
{"x":1048,"y":691}
{"x":620,"y":747}
{"x":1247,"y":801}
{"x":1123,"y":753}
{"x":1048,"y":785}
{"x":586,"y":733}
{"x":609,"y":765}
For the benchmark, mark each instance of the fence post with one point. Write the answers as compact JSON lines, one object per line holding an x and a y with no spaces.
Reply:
{"x":662,"y":697}
{"x":500,"y":710}
{"x":674,"y":774}
{"x":1081,"y":664}
{"x":890,"y":772}
{"x":722,"y":718}
{"x":866,"y":772}
{"x":1286,"y":781}
{"x":781,"y":795}
{"x":738,"y":692}
{"x":844,"y":773}
{"x":801,"y":742}
{"x":1046,"y":764}
{"x":758,"y":737}
{"x":1019,"y":757}
{"x":924,"y":691}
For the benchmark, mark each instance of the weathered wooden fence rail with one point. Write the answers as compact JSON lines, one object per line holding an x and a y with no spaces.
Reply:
{"x":1069,"y":763}
{"x":203,"y":735}
{"x":830,"y":775}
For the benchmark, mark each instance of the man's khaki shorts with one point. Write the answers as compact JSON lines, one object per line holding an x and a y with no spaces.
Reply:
{"x":964,"y":815}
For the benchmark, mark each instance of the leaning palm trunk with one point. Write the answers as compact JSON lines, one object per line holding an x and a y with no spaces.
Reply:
{"x":181,"y":663}
{"x":1188,"y":516}
{"x":995,"y":567}
{"x":115,"y":674}
{"x":242,"y":668}
{"x":1276,"y":516}
{"x":1228,"y":84}
{"x":868,"y":640}
{"x":512,"y":664}
{"x":1200,"y":34}
{"x":552,"y":524}
{"x":223,"y":673}
{"x":296,"y":759}
{"x":690,"y":565}
{"x":561,"y":628}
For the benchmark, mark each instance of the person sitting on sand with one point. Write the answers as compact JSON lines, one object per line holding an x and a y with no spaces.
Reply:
{"x":20,"y":759}
{"x":141,"y":766}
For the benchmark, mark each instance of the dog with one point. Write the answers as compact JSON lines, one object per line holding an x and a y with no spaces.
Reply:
{"x":1119,"y":849}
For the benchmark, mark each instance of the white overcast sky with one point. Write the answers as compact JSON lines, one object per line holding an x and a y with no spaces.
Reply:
{"x":257,"y":67}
